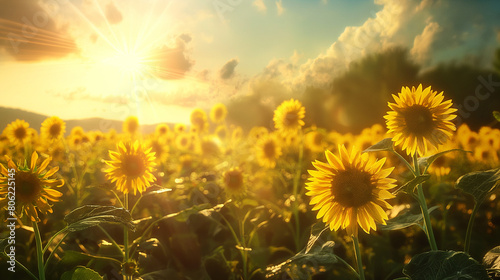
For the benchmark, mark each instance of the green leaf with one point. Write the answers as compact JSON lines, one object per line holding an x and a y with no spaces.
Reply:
{"x":406,"y":219}
{"x":409,"y":186}
{"x":444,"y":265}
{"x":92,"y":215}
{"x":496,"y":114}
{"x":425,"y":162}
{"x":492,"y":260}
{"x":317,"y":253}
{"x":383,"y":145}
{"x":81,"y":273}
{"x":72,"y":258}
{"x":479,"y":184}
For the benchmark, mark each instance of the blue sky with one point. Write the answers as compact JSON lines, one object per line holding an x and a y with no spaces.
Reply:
{"x":160,"y":59}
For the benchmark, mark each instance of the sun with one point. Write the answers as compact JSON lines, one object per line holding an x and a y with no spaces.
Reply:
{"x":129,"y":63}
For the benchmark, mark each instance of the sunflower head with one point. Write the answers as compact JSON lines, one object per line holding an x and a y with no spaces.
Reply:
{"x":218,"y":113}
{"x":17,"y":131}
{"x":221,"y":132}
{"x":350,"y":189}
{"x":162,"y":130}
{"x":234,"y":182}
{"x":420,"y":120}
{"x":34,"y":187}
{"x":180,"y":128}
{"x":288,"y":116}
{"x":131,"y":167}
{"x":199,"y":120}
{"x":131,"y":125}
{"x":268,"y":151}
{"x":53,"y":128}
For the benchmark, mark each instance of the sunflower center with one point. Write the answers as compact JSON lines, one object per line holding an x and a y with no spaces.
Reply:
{"x":55,"y":129}
{"x":28,"y":186}
{"x":234,"y":179}
{"x":133,"y":166}
{"x":291,"y":118}
{"x":419,"y":120}
{"x":269,"y":149}
{"x":20,"y":133}
{"x":352,"y":188}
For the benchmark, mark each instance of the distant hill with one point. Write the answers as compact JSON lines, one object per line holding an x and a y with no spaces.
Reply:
{"x":8,"y":115}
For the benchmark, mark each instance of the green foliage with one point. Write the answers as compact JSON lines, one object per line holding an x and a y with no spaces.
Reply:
{"x":92,"y":215}
{"x":425,"y":162}
{"x":409,"y":186}
{"x":492,"y":260}
{"x":81,"y":273}
{"x":496,"y":114}
{"x":406,"y":219}
{"x":479,"y":184}
{"x":318,"y":252}
{"x":382,"y":145}
{"x":444,"y":265}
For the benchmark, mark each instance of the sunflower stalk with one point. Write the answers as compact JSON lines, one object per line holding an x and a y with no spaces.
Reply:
{"x":39,"y":252}
{"x":125,"y":241}
{"x":468,"y":234}
{"x":357,"y":253}
{"x":423,"y":205}
{"x":296,"y":182}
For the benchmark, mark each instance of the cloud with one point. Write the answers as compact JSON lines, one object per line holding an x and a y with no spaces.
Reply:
{"x":261,"y":6}
{"x":32,"y":33}
{"x":172,"y":61}
{"x":279,"y":7}
{"x":227,"y":71}
{"x":423,"y":42}
{"x":113,"y":15}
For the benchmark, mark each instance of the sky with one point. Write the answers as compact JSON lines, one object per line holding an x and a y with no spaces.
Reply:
{"x":159,"y":59}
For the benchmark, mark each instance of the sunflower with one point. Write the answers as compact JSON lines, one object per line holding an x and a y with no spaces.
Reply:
{"x":218,"y":113}
{"x":53,"y":128}
{"x":131,"y":167}
{"x":288,"y":116}
{"x":162,"y":130}
{"x":268,"y":151}
{"x":179,"y":128}
{"x":183,"y":141}
{"x":198,"y":120}
{"x":233,"y":181}
{"x":221,"y":132}
{"x":17,"y":131}
{"x":420,"y":120}
{"x":33,"y":187}
{"x":256,"y":133}
{"x":350,"y":189}
{"x":131,"y":125}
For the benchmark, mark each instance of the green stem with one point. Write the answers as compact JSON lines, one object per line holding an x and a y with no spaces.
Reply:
{"x":39,"y":252}
{"x":469,"y":228}
{"x":125,"y":238}
{"x":357,"y":254}
{"x":52,"y":238}
{"x":423,"y":206}
{"x":296,"y":181}
{"x":53,"y":250}
{"x":112,"y":240}
{"x":405,"y":162}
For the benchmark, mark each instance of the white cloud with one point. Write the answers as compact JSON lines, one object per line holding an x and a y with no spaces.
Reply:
{"x":261,"y":6}
{"x":279,"y":7}
{"x":423,"y":42}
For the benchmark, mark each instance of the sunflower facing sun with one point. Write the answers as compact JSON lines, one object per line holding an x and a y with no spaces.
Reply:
{"x":33,"y":187}
{"x":350,"y":189}
{"x":131,"y":167}
{"x":288,"y":116}
{"x":420,"y":120}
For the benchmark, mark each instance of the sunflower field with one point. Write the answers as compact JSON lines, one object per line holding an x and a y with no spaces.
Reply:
{"x":412,"y":198}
